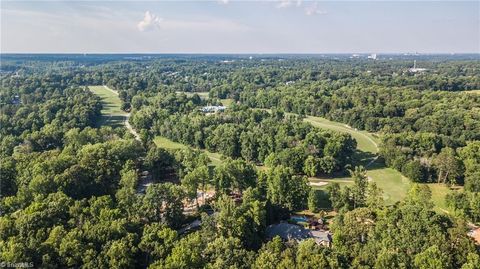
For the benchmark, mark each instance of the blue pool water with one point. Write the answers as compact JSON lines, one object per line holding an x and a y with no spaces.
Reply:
{"x":298,"y":219}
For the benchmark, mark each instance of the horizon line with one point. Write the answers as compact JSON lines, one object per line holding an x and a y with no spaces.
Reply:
{"x":243,"y":53}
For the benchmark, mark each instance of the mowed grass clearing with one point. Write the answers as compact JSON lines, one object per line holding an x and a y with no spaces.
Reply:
{"x":473,"y":91}
{"x":392,"y":182}
{"x":365,"y":141}
{"x":163,"y":142}
{"x":166,"y":143}
{"x":202,"y":95}
{"x":394,"y":185}
{"x":226,"y":102}
{"x":112,"y":114}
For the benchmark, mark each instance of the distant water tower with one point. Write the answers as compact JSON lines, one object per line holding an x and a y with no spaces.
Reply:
{"x":415,"y":69}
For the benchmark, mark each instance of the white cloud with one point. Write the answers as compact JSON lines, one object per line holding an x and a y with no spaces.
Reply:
{"x":223,"y":1}
{"x":314,"y":10}
{"x":150,"y":21}
{"x":288,"y":3}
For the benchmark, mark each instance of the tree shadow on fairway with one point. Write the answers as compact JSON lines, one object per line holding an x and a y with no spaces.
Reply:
{"x":370,"y":161}
{"x":363,"y":158}
{"x":112,"y":121}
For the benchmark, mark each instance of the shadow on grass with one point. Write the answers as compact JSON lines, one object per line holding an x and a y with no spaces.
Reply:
{"x":368,"y":160}
{"x":112,"y":121}
{"x":362,"y":158}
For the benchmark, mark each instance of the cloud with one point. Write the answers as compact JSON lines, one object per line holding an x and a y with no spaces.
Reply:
{"x":223,"y":1}
{"x":314,"y":10}
{"x":150,"y":21}
{"x":288,"y":3}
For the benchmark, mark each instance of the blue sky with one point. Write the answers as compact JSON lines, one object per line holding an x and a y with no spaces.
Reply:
{"x":229,"y":26}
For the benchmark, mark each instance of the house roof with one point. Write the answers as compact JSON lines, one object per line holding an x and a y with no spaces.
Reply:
{"x":289,"y":231}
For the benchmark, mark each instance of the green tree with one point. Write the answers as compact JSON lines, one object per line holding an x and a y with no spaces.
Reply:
{"x":420,"y":195}
{"x":310,"y":168}
{"x":227,"y":252}
{"x":414,"y":171}
{"x":360,"y":180}
{"x":163,"y":203}
{"x":314,"y":200}
{"x":286,"y":189}
{"x":197,"y":179}
{"x":432,"y":258}
{"x":448,"y":166}
{"x":473,"y":261}
{"x":157,"y":241}
{"x":374,"y":196}
{"x":186,"y":254}
{"x":310,"y":255}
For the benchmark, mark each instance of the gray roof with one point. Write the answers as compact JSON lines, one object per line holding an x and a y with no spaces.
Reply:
{"x":289,"y":231}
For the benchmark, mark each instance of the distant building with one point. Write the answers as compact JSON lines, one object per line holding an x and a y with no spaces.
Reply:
{"x":372,"y":56}
{"x":415,"y":69}
{"x":212,"y":109}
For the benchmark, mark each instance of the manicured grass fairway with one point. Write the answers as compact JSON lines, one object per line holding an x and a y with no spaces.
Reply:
{"x":166,"y":143}
{"x":203,"y":95}
{"x":163,"y":142}
{"x":365,"y":141}
{"x":473,"y":91}
{"x":112,"y":114}
{"x":227,"y":102}
{"x":394,"y":185}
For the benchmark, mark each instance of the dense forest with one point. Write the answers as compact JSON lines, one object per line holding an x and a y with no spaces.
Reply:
{"x":72,"y":196}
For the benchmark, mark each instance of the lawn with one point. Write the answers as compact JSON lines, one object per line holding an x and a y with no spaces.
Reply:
{"x":439,"y":192}
{"x":365,"y":141}
{"x":112,"y":114}
{"x":473,"y":91}
{"x":163,"y":142}
{"x":226,"y":102}
{"x":203,"y":95}
{"x":166,"y":143}
{"x":394,"y":185}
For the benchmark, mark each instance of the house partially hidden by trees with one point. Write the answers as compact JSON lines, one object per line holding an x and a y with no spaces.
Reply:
{"x":212,"y":109}
{"x":288,"y":231}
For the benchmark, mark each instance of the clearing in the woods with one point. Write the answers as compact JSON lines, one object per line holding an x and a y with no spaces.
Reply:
{"x":112,"y":114}
{"x":163,"y":142}
{"x":394,"y":185}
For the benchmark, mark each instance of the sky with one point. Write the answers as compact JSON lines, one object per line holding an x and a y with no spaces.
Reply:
{"x":229,"y":26}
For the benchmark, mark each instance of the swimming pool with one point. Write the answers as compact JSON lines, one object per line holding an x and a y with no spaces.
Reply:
{"x":298,"y":219}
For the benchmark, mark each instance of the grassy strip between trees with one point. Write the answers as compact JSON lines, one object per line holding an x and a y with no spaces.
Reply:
{"x":365,"y":141}
{"x":473,"y":91}
{"x":163,"y":142}
{"x":392,"y":182}
{"x":112,"y":114}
